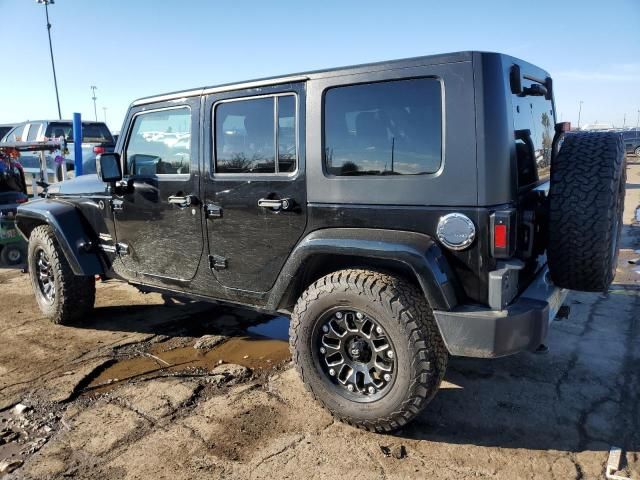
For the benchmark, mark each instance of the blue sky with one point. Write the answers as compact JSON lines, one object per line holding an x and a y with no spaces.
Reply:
{"x":130,"y":49}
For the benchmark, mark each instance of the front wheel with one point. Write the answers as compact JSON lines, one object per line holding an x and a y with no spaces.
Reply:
{"x":62,"y":296}
{"x":367,"y":347}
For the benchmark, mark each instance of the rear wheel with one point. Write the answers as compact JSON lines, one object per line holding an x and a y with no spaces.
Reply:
{"x":367,"y":347}
{"x":62,"y":296}
{"x":637,"y":151}
{"x":586,"y":201}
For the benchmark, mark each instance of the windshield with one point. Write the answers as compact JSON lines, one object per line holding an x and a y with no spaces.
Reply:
{"x":91,"y":132}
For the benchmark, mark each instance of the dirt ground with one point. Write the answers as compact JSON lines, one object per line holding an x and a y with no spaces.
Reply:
{"x":125,"y":394}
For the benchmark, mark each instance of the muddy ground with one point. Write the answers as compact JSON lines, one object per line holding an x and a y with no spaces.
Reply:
{"x":125,"y":394}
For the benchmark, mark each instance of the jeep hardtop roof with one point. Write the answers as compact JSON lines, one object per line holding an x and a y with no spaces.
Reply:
{"x":453,"y":57}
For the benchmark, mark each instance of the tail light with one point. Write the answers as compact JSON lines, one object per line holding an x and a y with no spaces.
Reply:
{"x":98,"y":150}
{"x":22,"y":200}
{"x":500,"y":236}
{"x":503,"y":233}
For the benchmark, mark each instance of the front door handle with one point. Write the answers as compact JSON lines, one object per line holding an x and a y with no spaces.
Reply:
{"x":276,"y":204}
{"x":185,"y":201}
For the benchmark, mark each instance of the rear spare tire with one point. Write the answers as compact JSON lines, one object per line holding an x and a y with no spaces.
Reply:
{"x":586,"y":200}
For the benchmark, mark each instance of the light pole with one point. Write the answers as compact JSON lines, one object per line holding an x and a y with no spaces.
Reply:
{"x":95,"y":110}
{"x":104,"y":109}
{"x":53,"y":65}
{"x":579,"y":113}
{"x":638,"y":120}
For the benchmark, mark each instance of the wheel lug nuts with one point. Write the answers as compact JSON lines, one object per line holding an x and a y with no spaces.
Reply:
{"x":332,"y":372}
{"x":378,"y":329}
{"x":372,"y":390}
{"x":350,"y":387}
{"x":359,"y":316}
{"x":338,"y":315}
{"x":387,"y":377}
{"x":325,"y":329}
{"x":323,"y":350}
{"x":390,"y":353}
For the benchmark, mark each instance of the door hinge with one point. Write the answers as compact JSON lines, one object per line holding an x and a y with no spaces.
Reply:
{"x":216,"y":262}
{"x":122,"y":249}
{"x":117,"y":205}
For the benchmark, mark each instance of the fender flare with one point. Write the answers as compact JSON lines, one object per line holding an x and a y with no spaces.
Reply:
{"x":416,"y":251}
{"x":70,"y":229}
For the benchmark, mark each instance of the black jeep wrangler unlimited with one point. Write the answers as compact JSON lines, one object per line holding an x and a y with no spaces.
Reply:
{"x":400,"y":212}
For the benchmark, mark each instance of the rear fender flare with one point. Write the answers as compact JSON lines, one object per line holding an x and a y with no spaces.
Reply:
{"x":414,"y":250}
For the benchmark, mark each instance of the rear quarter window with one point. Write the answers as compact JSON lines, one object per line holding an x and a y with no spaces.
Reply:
{"x":384,"y":128}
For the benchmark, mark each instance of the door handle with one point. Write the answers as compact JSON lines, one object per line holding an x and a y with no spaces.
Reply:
{"x":275,"y":204}
{"x":185,"y":201}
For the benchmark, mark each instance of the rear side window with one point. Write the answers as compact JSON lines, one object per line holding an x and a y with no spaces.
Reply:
{"x":248,"y":139}
{"x":91,"y":132}
{"x":387,"y":128}
{"x":34,"y":128}
{"x":160,"y":143}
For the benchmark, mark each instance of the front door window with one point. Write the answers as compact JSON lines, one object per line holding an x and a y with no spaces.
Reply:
{"x":160,"y":143}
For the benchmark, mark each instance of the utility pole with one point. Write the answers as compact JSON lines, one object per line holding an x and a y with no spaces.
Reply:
{"x":638,"y":120}
{"x":104,"y":109}
{"x":624,"y":120}
{"x":95,"y":110}
{"x":579,"y":113}
{"x":46,"y":4}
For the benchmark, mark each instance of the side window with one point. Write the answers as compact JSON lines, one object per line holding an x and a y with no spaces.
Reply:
{"x":15,"y":135}
{"x":247,"y":139}
{"x":34,"y":128}
{"x":160,"y":143}
{"x":287,"y":134}
{"x":386,"y":128}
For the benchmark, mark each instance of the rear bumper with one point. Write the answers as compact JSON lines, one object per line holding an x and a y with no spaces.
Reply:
{"x":477,"y":331}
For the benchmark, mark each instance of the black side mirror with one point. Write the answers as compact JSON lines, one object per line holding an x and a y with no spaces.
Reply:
{"x":108,"y":166}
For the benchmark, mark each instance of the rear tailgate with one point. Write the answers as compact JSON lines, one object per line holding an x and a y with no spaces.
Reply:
{"x":533,"y":112}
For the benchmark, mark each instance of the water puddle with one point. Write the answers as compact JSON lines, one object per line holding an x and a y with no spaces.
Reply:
{"x":277,"y":327}
{"x":263,"y":347}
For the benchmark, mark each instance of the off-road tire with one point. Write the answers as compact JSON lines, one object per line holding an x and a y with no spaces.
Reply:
{"x":74,"y":295}
{"x":586,"y":201}
{"x":7,"y":256}
{"x":404,"y":313}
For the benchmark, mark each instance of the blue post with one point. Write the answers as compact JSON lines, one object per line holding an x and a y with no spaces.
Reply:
{"x":77,"y":143}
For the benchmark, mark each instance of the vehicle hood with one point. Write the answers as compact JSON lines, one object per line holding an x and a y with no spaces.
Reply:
{"x":85,"y":185}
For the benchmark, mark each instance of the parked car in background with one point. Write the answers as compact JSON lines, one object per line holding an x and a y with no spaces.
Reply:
{"x":13,"y":193}
{"x":96,"y":139}
{"x":632,"y":141}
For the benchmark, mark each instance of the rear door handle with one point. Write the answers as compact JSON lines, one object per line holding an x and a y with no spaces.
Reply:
{"x":185,"y":201}
{"x":274,"y":204}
